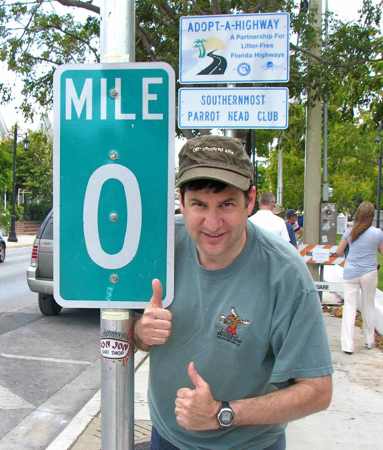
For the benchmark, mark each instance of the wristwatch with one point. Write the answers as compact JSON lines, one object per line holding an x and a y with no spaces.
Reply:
{"x":225,"y":415}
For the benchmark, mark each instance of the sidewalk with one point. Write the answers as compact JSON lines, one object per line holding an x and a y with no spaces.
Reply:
{"x":23,"y":240}
{"x":353,"y":421}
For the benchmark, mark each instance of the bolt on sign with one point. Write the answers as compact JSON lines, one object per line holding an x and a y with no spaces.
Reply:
{"x":113,"y":184}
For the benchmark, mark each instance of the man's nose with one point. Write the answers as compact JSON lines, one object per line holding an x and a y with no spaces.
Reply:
{"x":213,"y":219}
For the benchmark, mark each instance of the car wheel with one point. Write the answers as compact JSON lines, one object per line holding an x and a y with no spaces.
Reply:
{"x":48,"y":305}
{"x":2,"y":253}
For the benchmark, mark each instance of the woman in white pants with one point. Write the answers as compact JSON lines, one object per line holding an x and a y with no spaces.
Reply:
{"x":360,"y":275}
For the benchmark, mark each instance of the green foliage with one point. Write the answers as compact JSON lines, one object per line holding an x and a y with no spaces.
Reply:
{"x":5,"y":220}
{"x":36,"y":211}
{"x":5,"y":165}
{"x":34,"y":175}
{"x":292,"y":142}
{"x":353,"y":161}
{"x":35,"y":40}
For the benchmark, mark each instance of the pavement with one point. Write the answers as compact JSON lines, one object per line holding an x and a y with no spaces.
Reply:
{"x":23,"y":240}
{"x":352,"y":422}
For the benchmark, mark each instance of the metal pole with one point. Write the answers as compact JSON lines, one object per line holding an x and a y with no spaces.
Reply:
{"x":325,"y":124}
{"x":117,"y":41}
{"x":253,"y":152}
{"x":230,"y":133}
{"x":256,"y":176}
{"x":280,"y":177}
{"x":12,"y":233}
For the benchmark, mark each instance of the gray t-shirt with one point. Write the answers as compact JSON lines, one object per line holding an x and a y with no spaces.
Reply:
{"x":249,"y":328}
{"x":361,"y":258}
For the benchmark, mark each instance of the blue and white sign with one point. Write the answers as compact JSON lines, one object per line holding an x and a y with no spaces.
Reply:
{"x":264,"y":108}
{"x":113,"y":184}
{"x":238,"y":48}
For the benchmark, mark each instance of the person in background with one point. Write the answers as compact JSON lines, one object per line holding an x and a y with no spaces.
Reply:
{"x":360,"y":275}
{"x":242,"y":349}
{"x":291,"y":220}
{"x":266,"y":219}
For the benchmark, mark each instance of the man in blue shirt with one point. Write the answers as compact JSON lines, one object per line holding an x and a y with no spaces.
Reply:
{"x":291,"y":217}
{"x":242,"y":349}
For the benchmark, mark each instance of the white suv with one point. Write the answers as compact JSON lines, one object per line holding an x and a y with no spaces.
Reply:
{"x":40,"y":271}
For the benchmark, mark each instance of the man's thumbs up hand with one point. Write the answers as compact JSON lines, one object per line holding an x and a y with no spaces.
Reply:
{"x":196,"y":378}
{"x":155,"y":325}
{"x":196,"y":409}
{"x":156,"y":300}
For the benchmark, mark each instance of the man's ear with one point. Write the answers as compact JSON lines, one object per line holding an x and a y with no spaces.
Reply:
{"x":252,"y":196}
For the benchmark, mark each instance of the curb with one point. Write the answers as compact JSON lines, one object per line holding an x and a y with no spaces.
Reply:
{"x":18,"y":246}
{"x":78,"y":425}
{"x":23,"y":241}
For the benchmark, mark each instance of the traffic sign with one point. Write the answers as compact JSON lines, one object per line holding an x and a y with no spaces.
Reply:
{"x":236,"y":48}
{"x":263,"y":108}
{"x":113,"y":184}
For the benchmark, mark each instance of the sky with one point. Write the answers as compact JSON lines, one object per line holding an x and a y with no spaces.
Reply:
{"x":345,"y":9}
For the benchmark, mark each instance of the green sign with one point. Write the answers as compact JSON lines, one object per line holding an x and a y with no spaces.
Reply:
{"x":113,"y":184}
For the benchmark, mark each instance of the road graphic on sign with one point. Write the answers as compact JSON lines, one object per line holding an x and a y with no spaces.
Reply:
{"x":217,"y":67}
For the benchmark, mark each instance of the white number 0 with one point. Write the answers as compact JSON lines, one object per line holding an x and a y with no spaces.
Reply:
{"x":90,"y":216}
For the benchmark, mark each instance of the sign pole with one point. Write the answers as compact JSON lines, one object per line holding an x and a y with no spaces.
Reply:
{"x":230,"y":132}
{"x":117,"y":41}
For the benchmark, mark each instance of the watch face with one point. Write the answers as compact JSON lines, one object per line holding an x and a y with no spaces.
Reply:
{"x":225,"y":417}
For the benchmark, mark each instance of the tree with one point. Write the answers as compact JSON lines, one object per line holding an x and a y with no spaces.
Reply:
{"x":6,"y":166}
{"x":292,"y":141}
{"x":34,"y":175}
{"x":35,"y":40}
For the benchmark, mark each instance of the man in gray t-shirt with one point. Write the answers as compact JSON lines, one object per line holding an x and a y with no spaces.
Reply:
{"x":242,"y":350}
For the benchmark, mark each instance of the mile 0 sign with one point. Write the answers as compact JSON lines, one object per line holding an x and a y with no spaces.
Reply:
{"x":113,"y":184}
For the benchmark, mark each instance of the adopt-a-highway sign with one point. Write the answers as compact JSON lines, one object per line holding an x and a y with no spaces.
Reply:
{"x":235,"y":48}
{"x":113,"y":184}
{"x":250,"y":108}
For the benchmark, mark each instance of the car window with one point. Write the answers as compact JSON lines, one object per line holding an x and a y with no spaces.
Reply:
{"x":48,"y":230}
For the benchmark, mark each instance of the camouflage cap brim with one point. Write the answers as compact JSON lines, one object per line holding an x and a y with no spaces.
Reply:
{"x":209,"y":173}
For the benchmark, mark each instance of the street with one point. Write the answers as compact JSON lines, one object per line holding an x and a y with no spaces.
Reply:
{"x":49,"y":366}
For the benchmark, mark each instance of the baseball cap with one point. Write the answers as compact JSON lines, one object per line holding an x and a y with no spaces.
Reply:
{"x":291,"y":212}
{"x":218,"y":158}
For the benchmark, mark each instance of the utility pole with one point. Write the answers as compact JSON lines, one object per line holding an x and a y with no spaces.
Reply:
{"x":12,"y":233}
{"x":312,"y":181}
{"x":325,"y":193}
{"x":280,"y":175}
